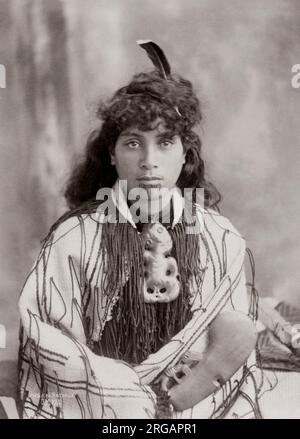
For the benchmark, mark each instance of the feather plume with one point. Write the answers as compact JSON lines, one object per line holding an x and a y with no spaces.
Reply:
{"x":157,"y":56}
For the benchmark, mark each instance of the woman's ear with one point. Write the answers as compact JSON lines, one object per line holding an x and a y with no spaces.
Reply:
{"x":112,"y":159}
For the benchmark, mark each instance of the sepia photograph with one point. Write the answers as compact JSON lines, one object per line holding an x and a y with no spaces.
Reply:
{"x":150,"y":245}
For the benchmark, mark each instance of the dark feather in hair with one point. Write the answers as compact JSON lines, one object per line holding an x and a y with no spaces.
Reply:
{"x":157,"y":56}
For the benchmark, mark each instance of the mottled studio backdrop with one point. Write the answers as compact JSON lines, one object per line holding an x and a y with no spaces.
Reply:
{"x":61,"y":56}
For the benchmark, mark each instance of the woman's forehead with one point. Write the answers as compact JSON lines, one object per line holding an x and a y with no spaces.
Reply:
{"x":158,"y":127}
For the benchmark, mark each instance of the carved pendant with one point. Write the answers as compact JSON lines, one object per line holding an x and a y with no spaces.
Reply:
{"x":161,"y":277}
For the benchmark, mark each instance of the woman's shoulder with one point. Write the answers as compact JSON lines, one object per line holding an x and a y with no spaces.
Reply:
{"x":72,"y":226}
{"x":213,"y":220}
{"x":220,"y":230}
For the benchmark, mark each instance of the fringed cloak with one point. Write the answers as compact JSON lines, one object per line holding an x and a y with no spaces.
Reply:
{"x":90,"y":347}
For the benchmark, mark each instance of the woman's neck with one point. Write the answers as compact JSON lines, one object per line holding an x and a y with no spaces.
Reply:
{"x":153,"y":209}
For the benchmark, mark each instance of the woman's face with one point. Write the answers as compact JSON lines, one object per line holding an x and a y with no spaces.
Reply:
{"x":149,"y":159}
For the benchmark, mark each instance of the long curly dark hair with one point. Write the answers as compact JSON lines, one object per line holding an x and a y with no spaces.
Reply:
{"x":147,"y":97}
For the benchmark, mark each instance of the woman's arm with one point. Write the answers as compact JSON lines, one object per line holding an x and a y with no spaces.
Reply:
{"x":59,"y":375}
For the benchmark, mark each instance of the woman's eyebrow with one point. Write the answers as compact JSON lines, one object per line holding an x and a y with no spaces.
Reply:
{"x":168,"y":133}
{"x":130,"y":133}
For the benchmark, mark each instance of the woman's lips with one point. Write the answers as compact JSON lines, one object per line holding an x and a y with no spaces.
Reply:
{"x":148,"y":178}
{"x":149,"y":182}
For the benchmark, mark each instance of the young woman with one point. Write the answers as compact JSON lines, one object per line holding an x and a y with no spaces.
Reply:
{"x":124,"y":299}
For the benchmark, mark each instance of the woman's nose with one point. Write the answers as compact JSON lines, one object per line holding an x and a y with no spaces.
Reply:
{"x":149,"y":159}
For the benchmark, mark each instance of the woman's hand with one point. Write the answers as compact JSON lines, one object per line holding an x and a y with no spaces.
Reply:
{"x":232,"y":338}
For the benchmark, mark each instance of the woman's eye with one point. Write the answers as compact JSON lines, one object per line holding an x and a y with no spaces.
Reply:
{"x":133,"y":144}
{"x":166,"y":143}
